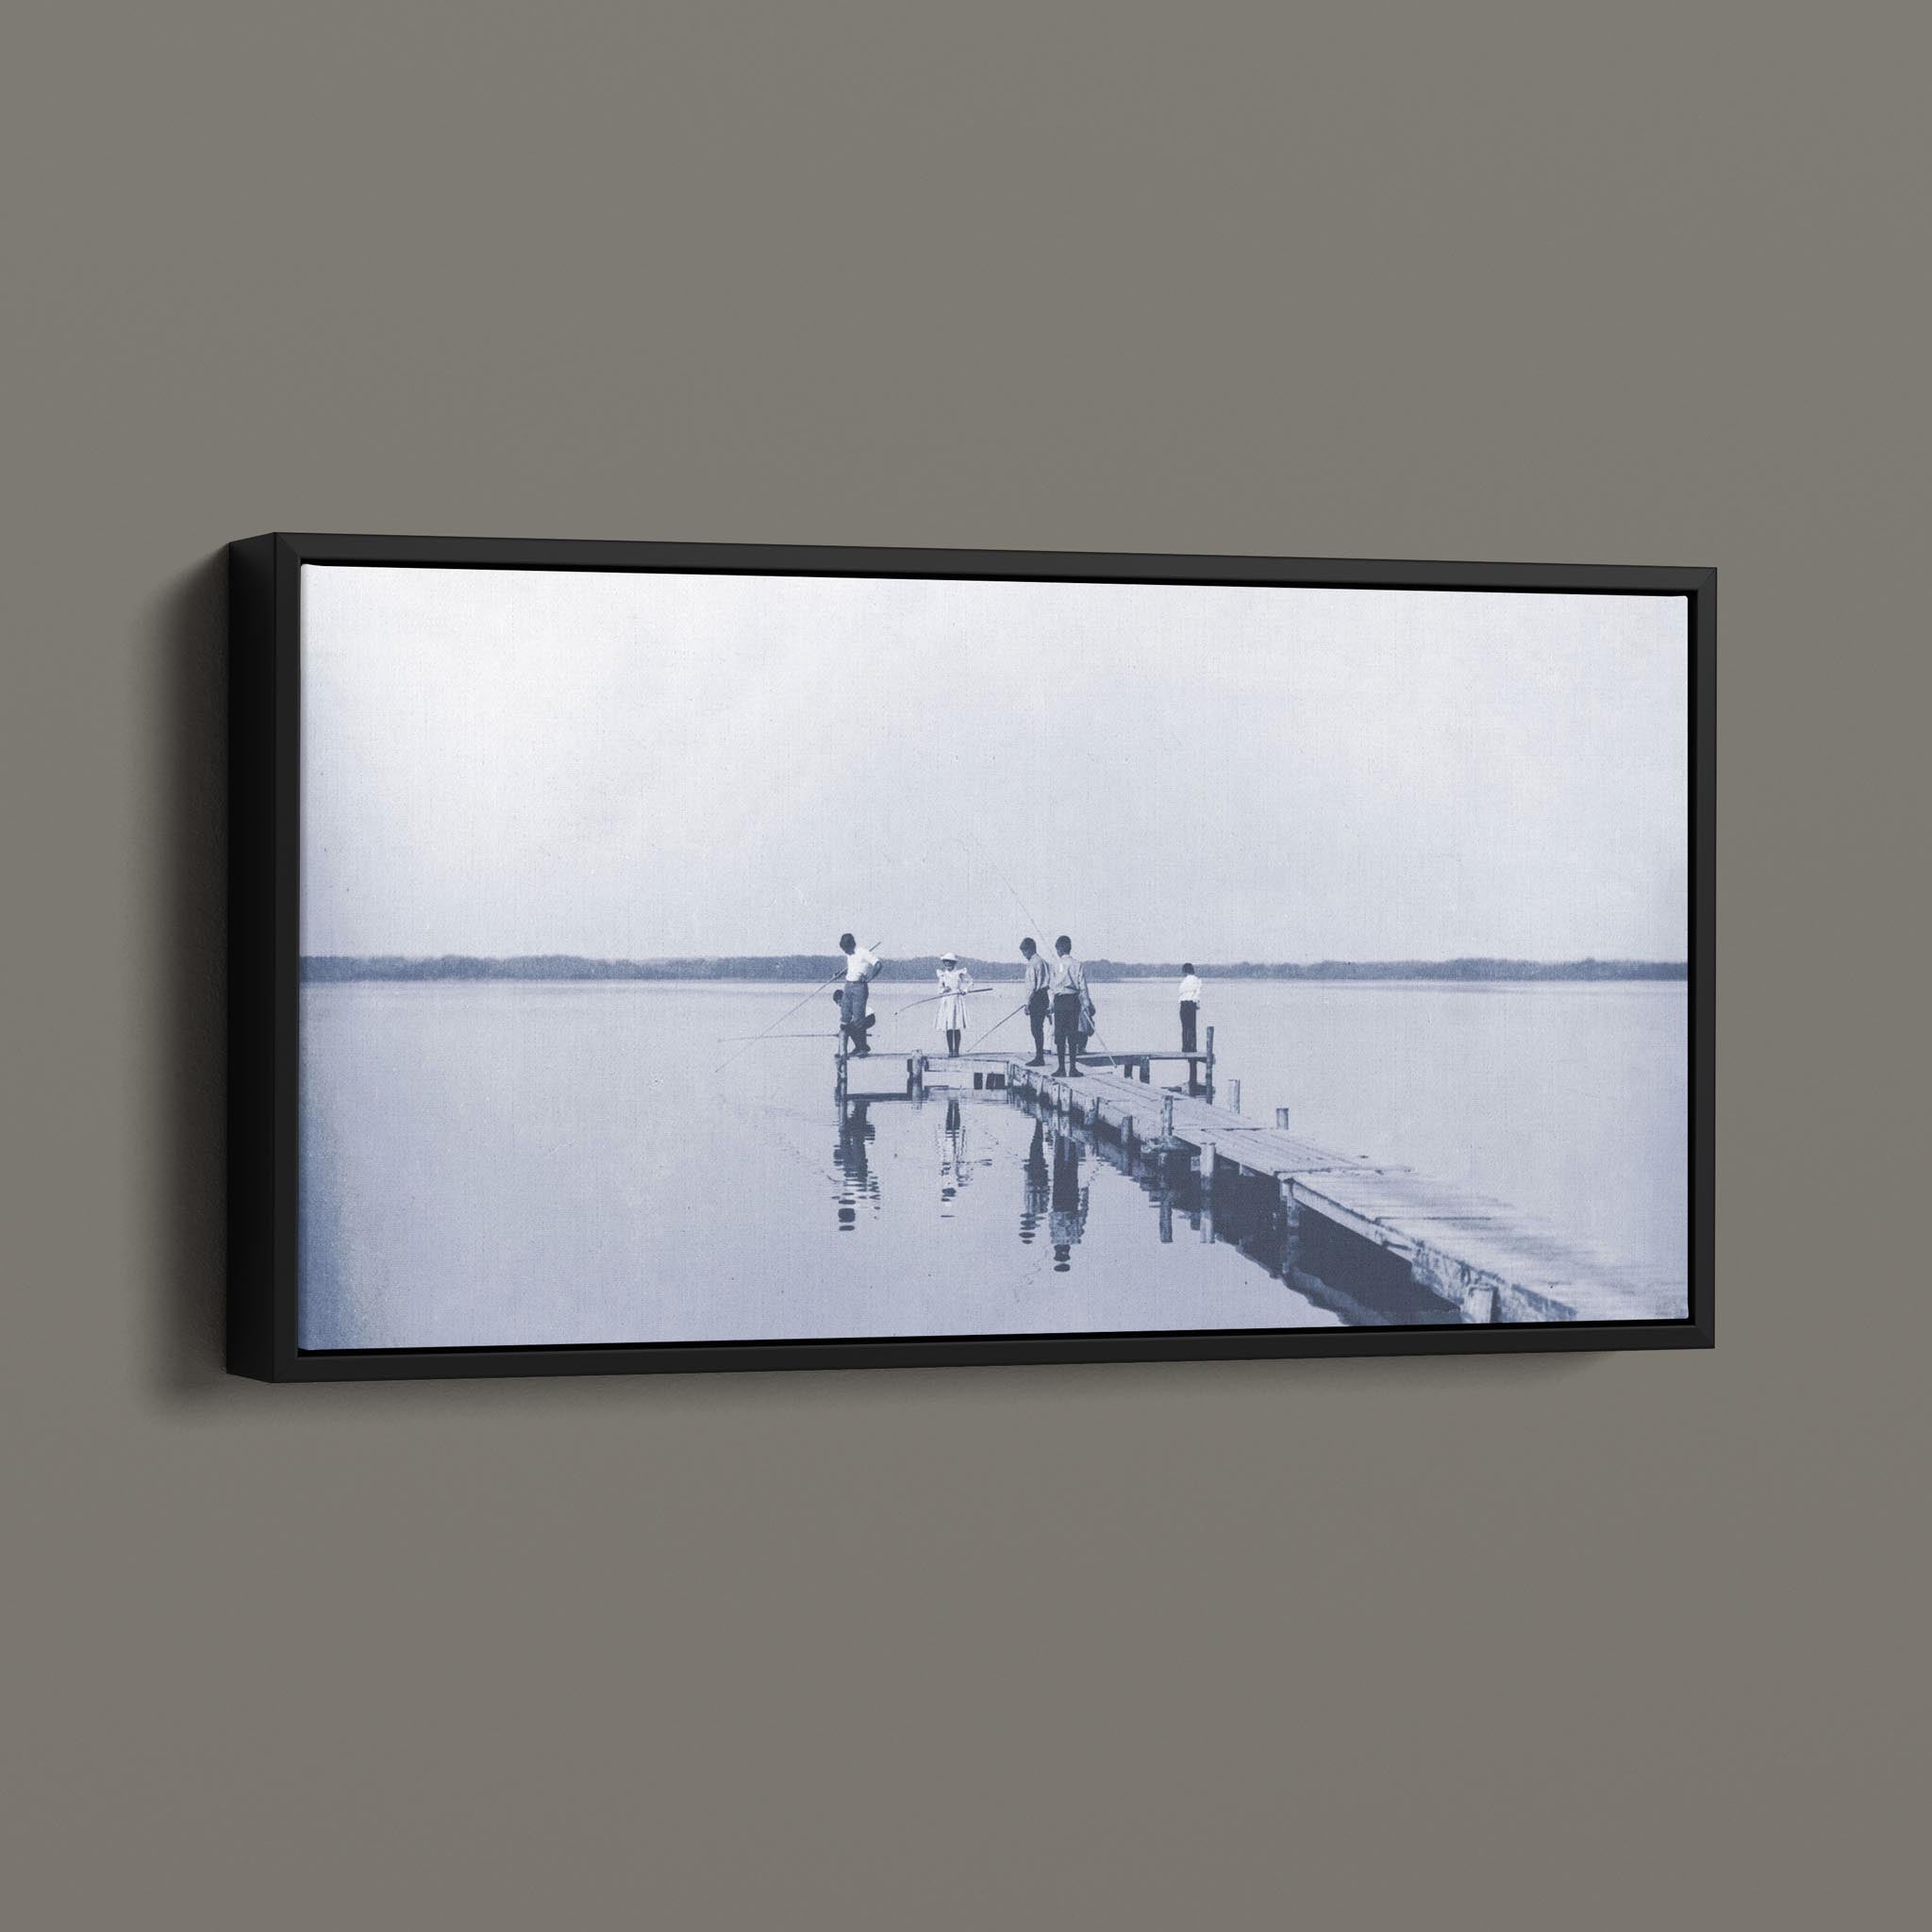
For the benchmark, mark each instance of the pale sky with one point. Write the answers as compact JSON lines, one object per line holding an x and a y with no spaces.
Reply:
{"x":636,"y":765}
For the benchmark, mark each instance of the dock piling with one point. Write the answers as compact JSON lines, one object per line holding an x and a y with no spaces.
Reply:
{"x":1281,"y":1118}
{"x":1291,"y":1226}
{"x":1234,"y":1089}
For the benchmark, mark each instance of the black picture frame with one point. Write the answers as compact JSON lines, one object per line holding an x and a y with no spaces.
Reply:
{"x":264,"y":963}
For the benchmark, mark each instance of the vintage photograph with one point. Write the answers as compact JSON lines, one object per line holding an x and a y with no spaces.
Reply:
{"x":716,"y":957}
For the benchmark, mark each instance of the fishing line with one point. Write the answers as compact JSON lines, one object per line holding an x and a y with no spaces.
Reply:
{"x":1033,"y":918}
{"x":995,"y":1028}
{"x":746,"y":1039}
{"x":789,"y":1010}
{"x":1039,"y":929}
{"x":930,"y":997}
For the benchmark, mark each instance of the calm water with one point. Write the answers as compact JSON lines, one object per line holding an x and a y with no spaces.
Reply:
{"x":491,"y":1163}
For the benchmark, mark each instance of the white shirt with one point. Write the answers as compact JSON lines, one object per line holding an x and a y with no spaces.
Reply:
{"x":1066,"y":975}
{"x":860,"y":964}
{"x":1191,"y":989}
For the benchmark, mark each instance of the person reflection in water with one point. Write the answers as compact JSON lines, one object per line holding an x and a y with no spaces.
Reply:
{"x":855,"y":1132}
{"x":1035,"y":1197}
{"x":953,"y":1169}
{"x":1068,"y":1220}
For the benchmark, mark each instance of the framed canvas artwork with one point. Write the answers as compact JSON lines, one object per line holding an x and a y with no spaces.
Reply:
{"x":652,"y":956}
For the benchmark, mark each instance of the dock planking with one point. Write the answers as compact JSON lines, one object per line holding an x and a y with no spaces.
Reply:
{"x":1490,"y":1259}
{"x":984,"y":1069}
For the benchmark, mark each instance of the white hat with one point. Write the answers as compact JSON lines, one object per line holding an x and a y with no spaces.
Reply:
{"x":952,"y":957}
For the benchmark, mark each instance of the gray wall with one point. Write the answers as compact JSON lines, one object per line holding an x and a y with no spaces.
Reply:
{"x":1594,"y":1642}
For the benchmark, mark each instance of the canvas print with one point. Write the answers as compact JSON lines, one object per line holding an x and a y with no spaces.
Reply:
{"x":708,"y":957}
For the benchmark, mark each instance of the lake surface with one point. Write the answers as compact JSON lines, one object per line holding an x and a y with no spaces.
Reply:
{"x":518,"y":1164}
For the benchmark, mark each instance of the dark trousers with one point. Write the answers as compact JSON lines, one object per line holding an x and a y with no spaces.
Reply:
{"x":1066,"y":1030}
{"x":852,"y":1004}
{"x":1189,"y":1013}
{"x":1036,"y":1005}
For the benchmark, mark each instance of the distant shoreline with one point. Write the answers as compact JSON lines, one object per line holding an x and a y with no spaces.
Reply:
{"x":795,"y":968}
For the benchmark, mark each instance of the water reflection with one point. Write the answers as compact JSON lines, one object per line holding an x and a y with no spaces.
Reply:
{"x":1361,"y":1284}
{"x":1067,"y":1220}
{"x":855,"y":1136}
{"x":1364,"y":1285}
{"x":1035,"y":1197}
{"x":953,"y":1170}
{"x":1055,"y":1193}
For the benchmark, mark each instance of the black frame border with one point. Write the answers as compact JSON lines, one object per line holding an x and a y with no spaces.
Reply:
{"x":264,"y":966}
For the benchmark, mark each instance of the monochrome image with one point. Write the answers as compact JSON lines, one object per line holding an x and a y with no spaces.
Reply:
{"x":710,"y":957}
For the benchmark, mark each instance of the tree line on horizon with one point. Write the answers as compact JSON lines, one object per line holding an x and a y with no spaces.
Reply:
{"x":796,"y":967}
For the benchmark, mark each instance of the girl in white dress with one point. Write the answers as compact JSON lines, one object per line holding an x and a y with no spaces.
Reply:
{"x":955,"y":984}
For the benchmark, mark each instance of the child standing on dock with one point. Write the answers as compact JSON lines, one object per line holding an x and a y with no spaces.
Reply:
{"x":1191,"y":1005}
{"x":861,"y":968}
{"x":956,"y":982}
{"x":1067,"y":980}
{"x":1037,"y":1001}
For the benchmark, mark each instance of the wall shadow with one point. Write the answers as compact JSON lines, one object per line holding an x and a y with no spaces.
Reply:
{"x":188,"y":841}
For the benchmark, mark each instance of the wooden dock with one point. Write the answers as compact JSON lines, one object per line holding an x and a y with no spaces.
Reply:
{"x":985,"y":1070}
{"x":933,"y":1073}
{"x":1491,"y":1261}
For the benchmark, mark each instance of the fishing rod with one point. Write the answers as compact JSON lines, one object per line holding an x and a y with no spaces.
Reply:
{"x":995,"y":1028}
{"x":728,"y":1039}
{"x":789,"y":1010}
{"x":965,"y":995}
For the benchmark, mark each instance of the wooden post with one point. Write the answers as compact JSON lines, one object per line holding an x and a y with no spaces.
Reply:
{"x":1206,"y":1161}
{"x":1290,"y":1229}
{"x":1234,"y":1088}
{"x":1281,"y":1118}
{"x":1167,"y":1120}
{"x":1146,"y":1070}
{"x":1211,"y":1065}
{"x":839,"y":1076}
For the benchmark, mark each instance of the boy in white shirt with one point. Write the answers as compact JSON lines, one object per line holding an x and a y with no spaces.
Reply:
{"x":1067,"y":981}
{"x":861,"y":966}
{"x":1191,"y":1005}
